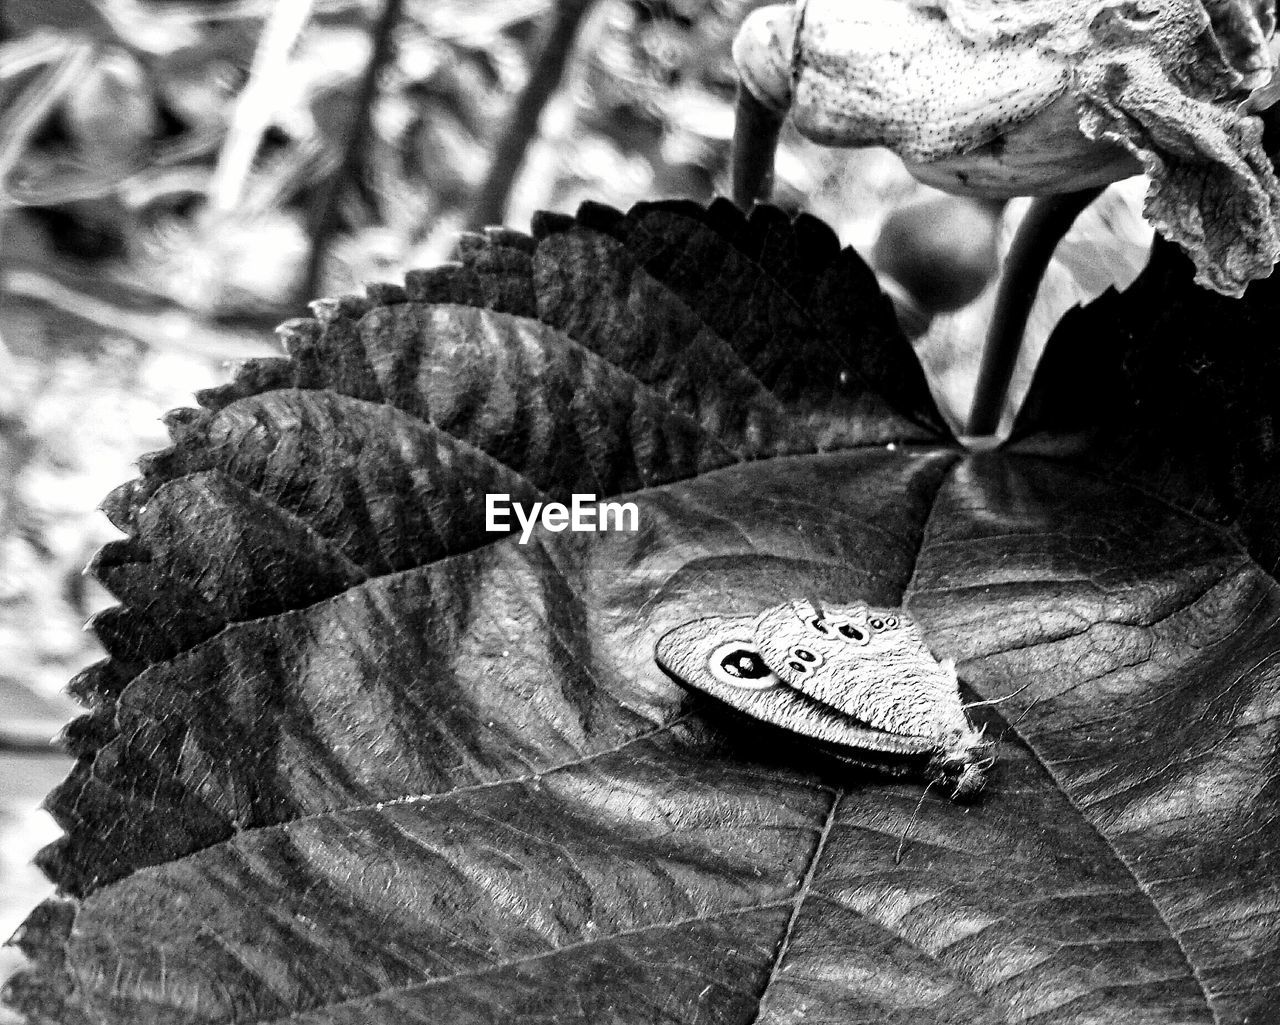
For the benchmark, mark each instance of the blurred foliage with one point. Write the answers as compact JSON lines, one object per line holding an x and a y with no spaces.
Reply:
{"x":156,"y":138}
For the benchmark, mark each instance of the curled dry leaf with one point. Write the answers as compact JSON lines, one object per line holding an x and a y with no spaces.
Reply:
{"x":1017,"y":97}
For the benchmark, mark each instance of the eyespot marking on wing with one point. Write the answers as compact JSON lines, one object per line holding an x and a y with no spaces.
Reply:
{"x":739,"y":665}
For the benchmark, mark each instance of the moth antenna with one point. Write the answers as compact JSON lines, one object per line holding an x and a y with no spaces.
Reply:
{"x":1025,"y":712}
{"x":1010,"y":727}
{"x":897,"y":857}
{"x":996,"y":701}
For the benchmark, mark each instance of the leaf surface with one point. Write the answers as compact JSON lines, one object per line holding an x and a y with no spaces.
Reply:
{"x":355,"y":759}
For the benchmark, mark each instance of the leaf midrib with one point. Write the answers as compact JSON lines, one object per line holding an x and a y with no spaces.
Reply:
{"x":1125,"y":863}
{"x":802,"y":891}
{"x":516,"y":962}
{"x":1044,"y":766}
{"x":1225,"y":531}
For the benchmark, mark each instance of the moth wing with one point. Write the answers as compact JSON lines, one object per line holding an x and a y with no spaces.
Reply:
{"x":694,"y":655}
{"x":886,"y":678}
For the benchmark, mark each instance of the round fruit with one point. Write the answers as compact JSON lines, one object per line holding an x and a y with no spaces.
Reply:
{"x":941,"y":251}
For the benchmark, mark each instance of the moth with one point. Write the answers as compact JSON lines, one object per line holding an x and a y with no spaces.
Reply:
{"x":858,"y":682}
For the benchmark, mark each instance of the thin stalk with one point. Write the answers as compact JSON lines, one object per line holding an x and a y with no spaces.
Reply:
{"x":323,"y":214}
{"x":755,"y":141}
{"x":36,"y":742}
{"x":1046,"y":222}
{"x":257,"y":103}
{"x":521,"y":127}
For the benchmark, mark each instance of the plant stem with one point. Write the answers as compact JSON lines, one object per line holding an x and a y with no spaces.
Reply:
{"x":490,"y":203}
{"x":755,"y":141}
{"x":323,"y":211}
{"x":257,"y":102}
{"x":1046,"y":222}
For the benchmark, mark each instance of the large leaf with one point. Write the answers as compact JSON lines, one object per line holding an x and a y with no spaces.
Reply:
{"x":353,"y":759}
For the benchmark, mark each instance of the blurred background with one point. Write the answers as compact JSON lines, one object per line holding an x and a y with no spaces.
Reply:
{"x":176,"y":178}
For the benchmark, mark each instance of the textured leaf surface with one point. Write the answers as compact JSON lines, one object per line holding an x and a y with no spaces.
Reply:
{"x":353,"y":759}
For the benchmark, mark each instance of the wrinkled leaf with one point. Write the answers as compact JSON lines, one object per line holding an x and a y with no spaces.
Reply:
{"x":353,"y":759}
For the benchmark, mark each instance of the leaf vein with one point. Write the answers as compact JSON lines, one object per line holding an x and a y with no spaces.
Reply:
{"x":802,"y":891}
